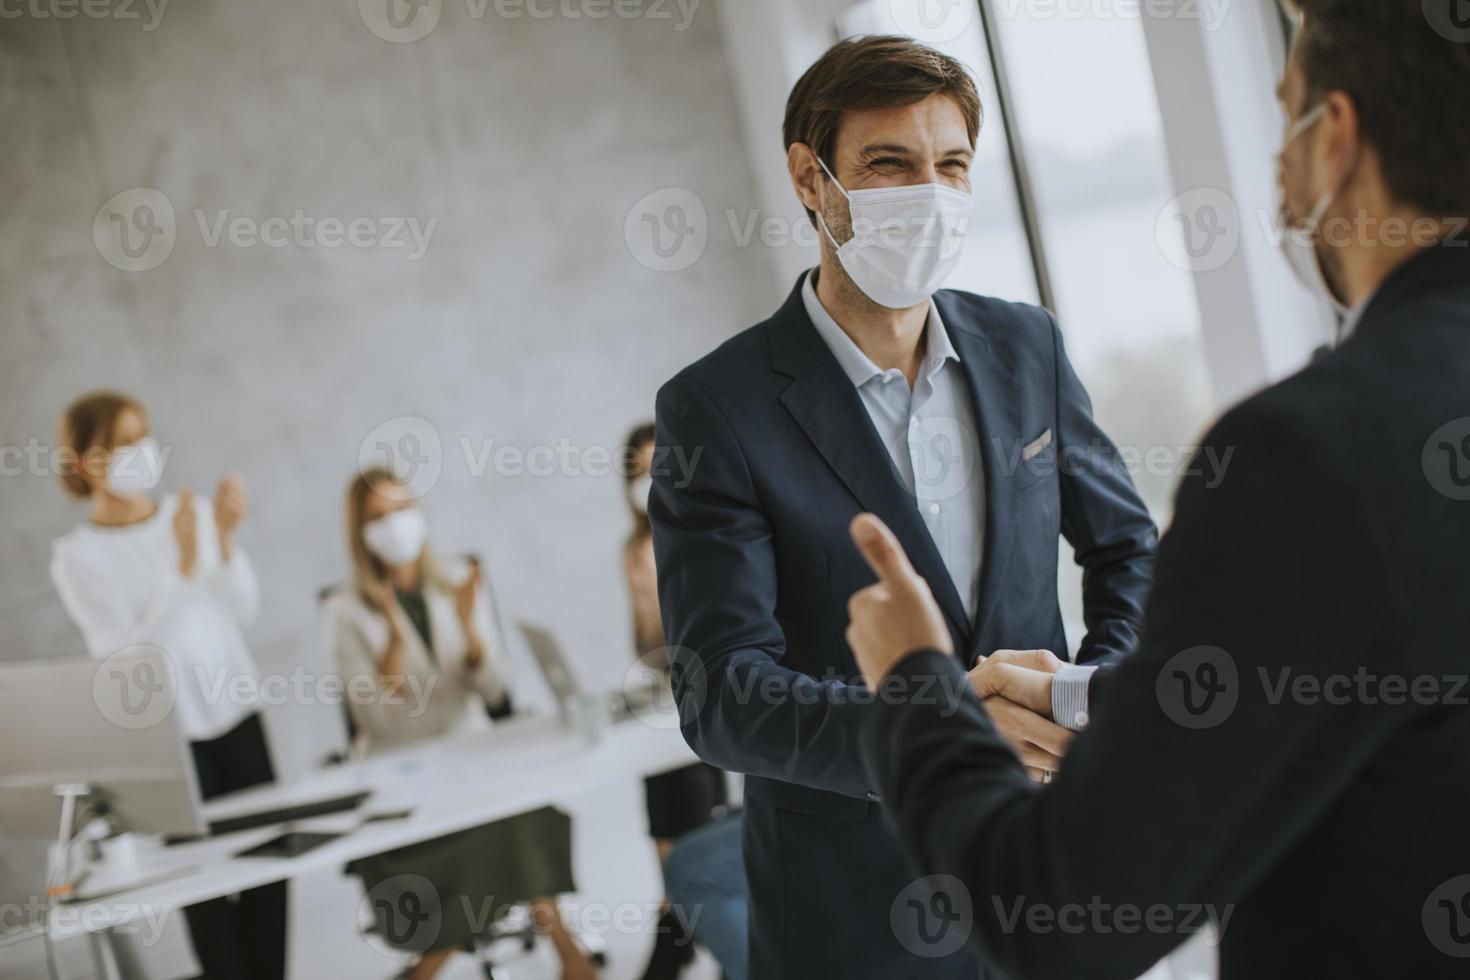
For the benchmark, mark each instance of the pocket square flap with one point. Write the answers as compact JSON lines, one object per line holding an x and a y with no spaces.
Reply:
{"x":1036,"y":448}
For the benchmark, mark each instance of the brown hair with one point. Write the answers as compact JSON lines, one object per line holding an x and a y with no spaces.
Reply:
{"x":641,"y":436}
{"x":874,"y":72}
{"x":367,"y":568}
{"x":89,"y":427}
{"x":1406,"y":66}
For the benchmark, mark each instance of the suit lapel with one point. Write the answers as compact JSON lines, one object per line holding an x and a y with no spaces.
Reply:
{"x":824,"y":403}
{"x":990,"y":369}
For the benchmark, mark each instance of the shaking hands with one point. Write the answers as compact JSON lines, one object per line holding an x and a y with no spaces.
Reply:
{"x":898,"y":616}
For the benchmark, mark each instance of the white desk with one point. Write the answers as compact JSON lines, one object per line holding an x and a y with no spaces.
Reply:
{"x":450,"y":786}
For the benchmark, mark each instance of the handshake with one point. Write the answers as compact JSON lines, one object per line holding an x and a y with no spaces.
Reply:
{"x":899,"y":616}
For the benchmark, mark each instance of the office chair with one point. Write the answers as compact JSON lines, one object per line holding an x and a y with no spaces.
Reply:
{"x":509,"y":938}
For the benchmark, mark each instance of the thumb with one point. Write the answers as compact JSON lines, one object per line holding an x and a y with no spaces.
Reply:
{"x":881,"y":549}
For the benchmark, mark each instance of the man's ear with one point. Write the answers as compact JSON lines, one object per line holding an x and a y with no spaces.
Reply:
{"x":1340,"y":146}
{"x":806,"y":175}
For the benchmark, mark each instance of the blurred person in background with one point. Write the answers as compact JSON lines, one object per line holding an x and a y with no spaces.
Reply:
{"x":166,"y":572}
{"x":688,"y":808}
{"x":421,"y":631}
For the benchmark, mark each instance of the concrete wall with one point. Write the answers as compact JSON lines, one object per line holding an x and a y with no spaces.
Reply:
{"x":536,"y":317}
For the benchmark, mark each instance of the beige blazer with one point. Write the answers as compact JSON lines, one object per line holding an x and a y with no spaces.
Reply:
{"x":440,"y":694}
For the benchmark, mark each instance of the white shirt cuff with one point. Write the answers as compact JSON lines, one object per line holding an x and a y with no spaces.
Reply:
{"x":1069,"y":696}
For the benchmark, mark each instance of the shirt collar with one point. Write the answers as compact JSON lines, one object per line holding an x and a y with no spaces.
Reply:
{"x":860,"y":368}
{"x":1351,"y":320}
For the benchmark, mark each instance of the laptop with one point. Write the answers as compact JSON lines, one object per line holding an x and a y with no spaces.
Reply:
{"x":553,"y":664}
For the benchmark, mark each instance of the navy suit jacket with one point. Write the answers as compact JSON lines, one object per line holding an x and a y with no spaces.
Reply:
{"x":766,"y":453}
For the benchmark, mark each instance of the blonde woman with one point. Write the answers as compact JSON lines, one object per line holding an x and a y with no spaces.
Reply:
{"x":417,"y":633}
{"x":166,"y":571}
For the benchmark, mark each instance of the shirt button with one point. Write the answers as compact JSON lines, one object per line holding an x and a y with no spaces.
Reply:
{"x":1081,"y":720}
{"x":934,"y":508}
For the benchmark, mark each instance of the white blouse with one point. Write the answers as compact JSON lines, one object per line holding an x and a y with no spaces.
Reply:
{"x":122,"y":587}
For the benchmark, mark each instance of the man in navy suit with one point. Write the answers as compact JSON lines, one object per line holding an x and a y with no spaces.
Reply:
{"x":956,"y":418}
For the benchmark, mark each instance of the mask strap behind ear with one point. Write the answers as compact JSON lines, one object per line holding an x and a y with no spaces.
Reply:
{"x":833,"y":178}
{"x":1314,"y":115}
{"x":1324,"y":203}
{"x":822,"y":221}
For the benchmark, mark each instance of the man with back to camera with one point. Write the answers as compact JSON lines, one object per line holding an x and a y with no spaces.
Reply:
{"x":945,"y":412}
{"x":1287,"y":747}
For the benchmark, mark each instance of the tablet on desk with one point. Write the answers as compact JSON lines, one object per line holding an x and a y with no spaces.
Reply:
{"x":288,"y":845}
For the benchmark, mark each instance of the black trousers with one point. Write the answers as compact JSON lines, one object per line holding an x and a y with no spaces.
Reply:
{"x":239,"y":937}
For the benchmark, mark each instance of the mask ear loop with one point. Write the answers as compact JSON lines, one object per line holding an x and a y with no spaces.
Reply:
{"x":823,"y":221}
{"x":1312,"y":224}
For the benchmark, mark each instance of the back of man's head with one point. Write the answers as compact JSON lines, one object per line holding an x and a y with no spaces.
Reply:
{"x":1406,"y":65}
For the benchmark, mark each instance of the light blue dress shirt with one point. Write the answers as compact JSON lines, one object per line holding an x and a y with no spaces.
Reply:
{"x":931,"y":436}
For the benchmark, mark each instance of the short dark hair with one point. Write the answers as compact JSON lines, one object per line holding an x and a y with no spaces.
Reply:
{"x":1410,"y":80}
{"x":873,"y":72}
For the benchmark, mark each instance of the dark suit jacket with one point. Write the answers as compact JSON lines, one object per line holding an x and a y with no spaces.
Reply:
{"x":1289,"y":743}
{"x":756,"y":567}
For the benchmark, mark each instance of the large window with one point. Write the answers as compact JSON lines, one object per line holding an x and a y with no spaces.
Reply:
{"x":1098,"y":168}
{"x":997,"y":257}
{"x":1074,"y":211}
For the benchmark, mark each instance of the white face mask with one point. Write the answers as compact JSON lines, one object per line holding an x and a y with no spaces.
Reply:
{"x":639,"y":491}
{"x":905,"y":240}
{"x":134,"y":468}
{"x":397,"y":538}
{"x":1299,"y":241}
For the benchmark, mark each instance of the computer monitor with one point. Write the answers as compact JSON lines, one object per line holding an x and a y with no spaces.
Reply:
{"x":109,"y":725}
